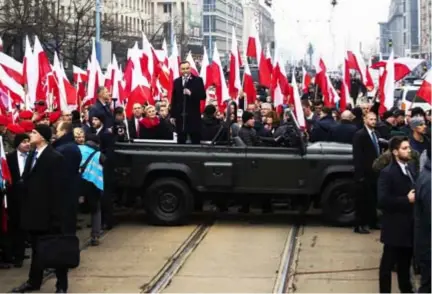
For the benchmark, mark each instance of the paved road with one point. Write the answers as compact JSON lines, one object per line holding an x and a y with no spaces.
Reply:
{"x":238,"y":254}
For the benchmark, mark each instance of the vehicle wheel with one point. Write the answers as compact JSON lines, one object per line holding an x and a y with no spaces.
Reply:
{"x":338,"y":202}
{"x":168,"y":201}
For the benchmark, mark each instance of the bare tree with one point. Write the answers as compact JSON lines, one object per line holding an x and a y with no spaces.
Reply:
{"x":19,"y":18}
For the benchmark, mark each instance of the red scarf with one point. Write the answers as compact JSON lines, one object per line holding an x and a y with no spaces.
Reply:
{"x":149,"y":123}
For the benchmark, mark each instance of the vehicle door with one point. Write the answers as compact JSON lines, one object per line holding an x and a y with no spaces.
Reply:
{"x":275,"y":170}
{"x":222,"y":167}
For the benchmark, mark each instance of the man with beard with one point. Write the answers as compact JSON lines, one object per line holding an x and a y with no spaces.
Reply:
{"x":396,"y":197}
{"x":366,"y":149}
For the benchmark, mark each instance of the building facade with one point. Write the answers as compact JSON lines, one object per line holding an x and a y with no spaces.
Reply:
{"x":219,"y":17}
{"x":402,"y":28}
{"x":426,"y":29}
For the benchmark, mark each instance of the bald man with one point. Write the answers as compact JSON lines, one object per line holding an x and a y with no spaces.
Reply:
{"x":133,"y":123}
{"x":343,"y":132}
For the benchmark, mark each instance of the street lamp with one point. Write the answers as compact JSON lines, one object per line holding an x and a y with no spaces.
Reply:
{"x":98,"y":29}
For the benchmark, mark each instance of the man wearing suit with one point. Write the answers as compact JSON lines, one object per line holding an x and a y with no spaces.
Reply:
{"x":185,"y":105}
{"x":16,"y":162}
{"x":396,"y":198}
{"x":365,"y":150}
{"x":102,"y":107}
{"x":133,"y":123}
{"x":41,"y":206}
{"x":66,"y":146}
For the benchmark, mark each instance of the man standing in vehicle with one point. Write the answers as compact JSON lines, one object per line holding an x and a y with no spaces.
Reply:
{"x":188,"y":92}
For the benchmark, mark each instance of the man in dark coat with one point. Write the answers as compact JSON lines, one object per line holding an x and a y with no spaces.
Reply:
{"x":41,"y":207}
{"x":344,"y":131}
{"x":396,"y":198}
{"x":422,"y":235}
{"x":133,"y":123}
{"x":185,"y":105}
{"x":102,"y":107}
{"x":321,"y":128}
{"x":210,"y":124}
{"x":65,"y":145}
{"x":366,"y":149}
{"x":15,"y":192}
{"x":107,"y":141}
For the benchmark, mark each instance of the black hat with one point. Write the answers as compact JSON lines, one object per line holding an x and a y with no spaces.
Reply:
{"x":417,"y":111}
{"x":398,"y":112}
{"x":45,"y":131}
{"x":209,"y":110}
{"x":247,"y":116}
{"x":100,"y":116}
{"x":19,"y":138}
{"x":387,"y":114}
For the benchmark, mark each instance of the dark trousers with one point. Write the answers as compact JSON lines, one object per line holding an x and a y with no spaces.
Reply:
{"x":425,"y":272}
{"x":36,"y":271}
{"x":401,"y":257}
{"x":366,"y":202}
{"x":107,"y":208}
{"x":182,"y":137}
{"x":14,"y":249}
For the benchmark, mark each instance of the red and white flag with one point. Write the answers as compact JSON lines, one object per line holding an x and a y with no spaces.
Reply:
{"x":248,"y":85}
{"x":191,"y":61}
{"x":387,"y":101}
{"x":402,"y":66}
{"x":297,"y":103}
{"x":254,"y":49}
{"x":234,"y":83}
{"x":425,"y":91}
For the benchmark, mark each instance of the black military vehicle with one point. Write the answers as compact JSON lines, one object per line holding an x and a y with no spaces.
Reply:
{"x":172,"y":177}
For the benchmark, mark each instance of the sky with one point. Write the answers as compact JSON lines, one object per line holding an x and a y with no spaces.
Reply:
{"x":299,"y":22}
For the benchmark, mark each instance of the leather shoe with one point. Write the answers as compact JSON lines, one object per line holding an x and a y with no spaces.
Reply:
{"x":18,"y":264}
{"x":361,"y":230}
{"x":26,"y":287}
{"x":60,"y":291}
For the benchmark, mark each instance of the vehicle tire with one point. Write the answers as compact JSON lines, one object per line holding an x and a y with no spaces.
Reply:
{"x":338,"y":202}
{"x":168,"y":201}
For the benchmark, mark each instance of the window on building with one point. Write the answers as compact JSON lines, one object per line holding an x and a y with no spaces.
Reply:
{"x":404,"y":22}
{"x":209,"y":22}
{"x":404,"y":38}
{"x":167,"y":8}
{"x":209,"y":5}
{"x":404,"y":6}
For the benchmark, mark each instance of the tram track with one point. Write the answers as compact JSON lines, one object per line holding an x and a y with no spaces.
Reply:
{"x":163,"y":278}
{"x":285,"y":273}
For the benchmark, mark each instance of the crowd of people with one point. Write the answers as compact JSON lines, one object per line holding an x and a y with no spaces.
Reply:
{"x":58,"y":160}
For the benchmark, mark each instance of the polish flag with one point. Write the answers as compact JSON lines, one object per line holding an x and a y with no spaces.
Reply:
{"x":6,"y":175}
{"x":30,"y":74}
{"x":93,"y":77}
{"x":402,"y":66}
{"x":356,"y":62}
{"x":254,"y":49}
{"x":5,"y":172}
{"x":194,"y":70}
{"x":345,"y":92}
{"x":297,"y":103}
{"x":173,"y":64}
{"x":1,"y":44}
{"x":234,"y":82}
{"x":306,"y":80}
{"x":321,"y":80}
{"x":387,"y":100}
{"x":78,"y":72}
{"x":44,"y":67}
{"x":265,"y":69}
{"x":147,"y":58}
{"x":12,"y":67}
{"x":248,"y":85}
{"x":218,"y":78}
{"x":205,"y":71}
{"x":15,"y":90}
{"x":425,"y":91}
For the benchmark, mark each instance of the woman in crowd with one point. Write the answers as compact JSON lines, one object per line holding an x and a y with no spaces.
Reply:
{"x":153,"y":128}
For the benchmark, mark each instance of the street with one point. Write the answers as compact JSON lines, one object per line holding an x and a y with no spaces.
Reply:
{"x":236,"y":254}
